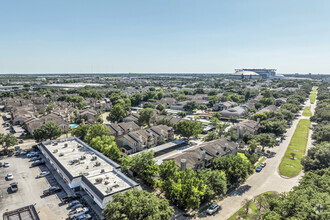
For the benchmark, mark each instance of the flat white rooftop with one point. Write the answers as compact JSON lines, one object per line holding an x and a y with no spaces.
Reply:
{"x":79,"y":159}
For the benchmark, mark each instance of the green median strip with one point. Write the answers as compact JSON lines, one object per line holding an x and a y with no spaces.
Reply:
{"x":291,"y":162}
{"x":307,"y":112}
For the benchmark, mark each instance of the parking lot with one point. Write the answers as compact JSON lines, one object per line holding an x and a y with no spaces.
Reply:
{"x":30,"y":189}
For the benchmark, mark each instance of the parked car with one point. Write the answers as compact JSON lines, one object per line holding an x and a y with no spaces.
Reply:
{"x":68,"y":199}
{"x":25,"y":152}
{"x":21,"y":141}
{"x":10,"y":176}
{"x":84,"y":216}
{"x":78,"y":212}
{"x":259,"y":168}
{"x":1,"y":164}
{"x":75,"y":202}
{"x":212,"y":209}
{"x":17,"y":153}
{"x":32,"y":154}
{"x":35,"y":158}
{"x":77,"y":206}
{"x":42,"y":174}
{"x":263,"y":164}
{"x":37,"y":163}
{"x":52,"y":190}
{"x":6,"y":164}
{"x":14,"y":187}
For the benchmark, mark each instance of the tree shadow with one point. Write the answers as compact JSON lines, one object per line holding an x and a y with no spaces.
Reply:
{"x":240,"y":190}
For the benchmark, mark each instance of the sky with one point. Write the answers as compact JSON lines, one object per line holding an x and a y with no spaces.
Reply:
{"x":164,"y":36}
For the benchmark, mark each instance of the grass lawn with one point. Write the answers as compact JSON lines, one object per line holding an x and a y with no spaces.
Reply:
{"x":307,"y":112}
{"x":253,"y":207}
{"x":312,"y":97}
{"x":315,"y":88}
{"x":262,"y":160}
{"x":291,"y":167}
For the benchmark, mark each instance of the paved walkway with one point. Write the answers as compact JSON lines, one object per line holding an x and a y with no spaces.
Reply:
{"x":267,"y":180}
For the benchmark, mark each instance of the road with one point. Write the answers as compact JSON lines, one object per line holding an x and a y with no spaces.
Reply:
{"x":267,"y":180}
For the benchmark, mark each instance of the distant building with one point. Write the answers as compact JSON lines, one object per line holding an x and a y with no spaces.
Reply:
{"x":246,"y":75}
{"x":264,"y":73}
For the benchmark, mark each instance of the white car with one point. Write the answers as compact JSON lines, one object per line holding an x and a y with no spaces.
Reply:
{"x":42,"y":174}
{"x":212,"y":209}
{"x":78,"y":212}
{"x":10,"y":176}
{"x":6,"y":164}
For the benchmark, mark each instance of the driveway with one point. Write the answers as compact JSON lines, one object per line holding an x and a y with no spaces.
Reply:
{"x":267,"y":180}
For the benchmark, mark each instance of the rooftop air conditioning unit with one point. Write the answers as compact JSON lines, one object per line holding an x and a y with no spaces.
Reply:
{"x":102,"y":170}
{"x":55,"y":151}
{"x":61,"y":154}
{"x":98,"y":180}
{"x":65,"y":145}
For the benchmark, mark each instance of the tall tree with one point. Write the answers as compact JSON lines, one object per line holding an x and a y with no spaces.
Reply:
{"x":236,"y":168}
{"x":106,"y":145}
{"x":318,"y":157}
{"x":96,"y":130}
{"x":188,"y":128}
{"x":7,"y":141}
{"x":117,"y":113}
{"x":137,"y":205}
{"x":146,"y":115}
{"x":47,"y":131}
{"x":144,"y":166}
{"x":81,"y":131}
{"x":190,"y":106}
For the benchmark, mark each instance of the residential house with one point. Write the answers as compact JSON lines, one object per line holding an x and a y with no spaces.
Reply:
{"x":167,"y":102}
{"x":247,"y":127}
{"x":224,"y":105}
{"x":201,"y":156}
{"x":270,"y":108}
{"x":119,"y":129}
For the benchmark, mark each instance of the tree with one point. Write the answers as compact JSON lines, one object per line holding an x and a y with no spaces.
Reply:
{"x":96,"y":130}
{"x":47,"y":131}
{"x":160,"y":107}
{"x":80,"y":132}
{"x":146,"y":115}
{"x":50,"y":107}
{"x":236,"y":168}
{"x":261,"y":116}
{"x":293,"y":155}
{"x":144,"y":166}
{"x":137,"y":205}
{"x":107,"y":146}
{"x":266,"y":140}
{"x":190,"y":106}
{"x":148,"y":105}
{"x":136,"y":99}
{"x":215,"y":180}
{"x":272,"y":126}
{"x":7,"y":141}
{"x":117,"y":113}
{"x":188,"y":128}
{"x":318,"y":157}
{"x":321,"y":132}
{"x":184,"y":189}
{"x":181,"y":114}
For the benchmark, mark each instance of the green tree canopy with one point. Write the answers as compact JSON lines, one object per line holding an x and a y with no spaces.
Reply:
{"x":190,"y":106}
{"x":7,"y":141}
{"x":47,"y":131}
{"x":318,"y":157}
{"x":81,"y":131}
{"x":117,"y":113}
{"x":188,"y":128}
{"x":146,"y":115}
{"x":236,"y":168}
{"x":137,"y":205}
{"x":107,"y":146}
{"x":96,"y":130}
